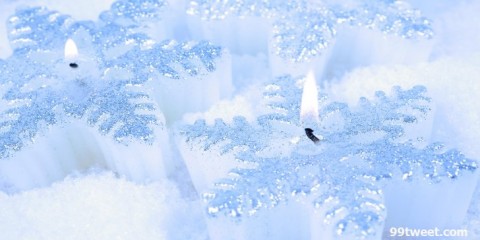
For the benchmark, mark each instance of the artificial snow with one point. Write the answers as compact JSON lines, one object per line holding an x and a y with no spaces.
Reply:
{"x":99,"y":206}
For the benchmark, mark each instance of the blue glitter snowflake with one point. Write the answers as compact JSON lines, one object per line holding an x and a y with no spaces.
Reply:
{"x":303,"y":29}
{"x":360,"y":149}
{"x":40,"y":90}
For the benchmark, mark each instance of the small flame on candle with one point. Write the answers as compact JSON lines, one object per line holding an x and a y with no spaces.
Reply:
{"x":71,"y":50}
{"x":309,"y":105}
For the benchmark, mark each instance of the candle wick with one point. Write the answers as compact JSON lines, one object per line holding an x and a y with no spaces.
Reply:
{"x":311,"y":136}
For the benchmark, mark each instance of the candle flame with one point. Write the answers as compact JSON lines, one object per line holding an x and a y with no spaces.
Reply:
{"x":71,"y":51}
{"x":309,"y":105}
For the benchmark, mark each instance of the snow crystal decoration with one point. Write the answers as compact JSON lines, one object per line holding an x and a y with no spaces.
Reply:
{"x":360,"y":149}
{"x":108,"y":88}
{"x":303,"y":29}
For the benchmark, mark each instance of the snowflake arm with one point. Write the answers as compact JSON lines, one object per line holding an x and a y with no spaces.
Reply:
{"x":118,"y":104}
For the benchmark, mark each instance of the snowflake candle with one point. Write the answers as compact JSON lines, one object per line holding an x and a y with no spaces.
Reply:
{"x":343,"y":181}
{"x":106,"y":113}
{"x":304,"y":29}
